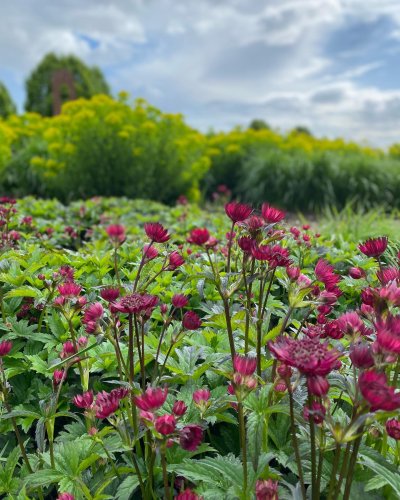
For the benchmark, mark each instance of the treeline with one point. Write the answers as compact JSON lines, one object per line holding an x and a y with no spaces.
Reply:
{"x":105,"y":146}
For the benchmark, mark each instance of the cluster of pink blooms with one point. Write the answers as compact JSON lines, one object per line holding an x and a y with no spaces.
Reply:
{"x":105,"y":403}
{"x":167,"y":426}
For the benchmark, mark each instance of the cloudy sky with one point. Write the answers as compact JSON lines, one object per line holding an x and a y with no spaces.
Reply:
{"x":332,"y":65}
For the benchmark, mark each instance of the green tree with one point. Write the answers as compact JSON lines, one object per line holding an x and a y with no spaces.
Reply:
{"x":7,"y":106}
{"x":258,"y":124}
{"x":301,"y":129}
{"x":88,"y":82}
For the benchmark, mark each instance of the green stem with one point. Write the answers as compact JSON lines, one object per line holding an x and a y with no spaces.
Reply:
{"x":294,"y":440}
{"x":335,"y":467}
{"x":165,"y":475}
{"x":350,"y":471}
{"x":311,"y":422}
{"x":228,"y":266}
{"x":249,"y":290}
{"x":116,"y":267}
{"x":242,"y":432}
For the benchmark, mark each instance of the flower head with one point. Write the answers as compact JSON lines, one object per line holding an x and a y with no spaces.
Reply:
{"x":69,"y":289}
{"x":175,"y":260}
{"x":179,"y":301}
{"x":58,"y":377}
{"x":152,"y":399}
{"x":388,"y":334}
{"x":237,"y":212}
{"x":272,"y":214}
{"x":191,"y":321}
{"x":65,"y":496}
{"x":84,"y":400}
{"x":92,"y":317}
{"x":356,"y":273}
{"x":109,"y":294}
{"x":201,"y":395}
{"x":199,"y":236}
{"x":188,"y":494}
{"x":361,"y":355}
{"x":374,"y":247}
{"x":149,"y":252}
{"x":5,"y":347}
{"x":310,"y":356}
{"x":136,"y":303}
{"x":266,"y":489}
{"x":317,"y":386}
{"x":316,"y":412}
{"x":245,"y":365}
{"x":165,"y":424}
{"x":116,"y":233}
{"x":190,"y":437}
{"x":156,"y":232}
{"x":376,"y":392}
{"x":106,"y":404}
{"x":179,"y":408}
{"x":393,"y":428}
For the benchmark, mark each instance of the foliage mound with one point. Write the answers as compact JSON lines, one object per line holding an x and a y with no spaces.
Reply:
{"x":148,"y":352}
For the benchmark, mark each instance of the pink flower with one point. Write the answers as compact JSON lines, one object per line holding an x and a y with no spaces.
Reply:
{"x":116,"y":233}
{"x":377,"y":393}
{"x":69,"y":289}
{"x":179,"y":301}
{"x":350,"y":323}
{"x":67,"y":350}
{"x":156,"y":232}
{"x":245,"y":365}
{"x":65,"y":496}
{"x":293,"y":272}
{"x":165,"y":424}
{"x":201,"y":395}
{"x":152,"y":399}
{"x":179,"y":408}
{"x":67,"y":272}
{"x":149,"y":252}
{"x":92,"y":317}
{"x":266,"y":489}
{"x":237,"y":212}
{"x":310,"y":356}
{"x":317,"y":386}
{"x":5,"y":347}
{"x":58,"y":377}
{"x":361,"y":355}
{"x":356,"y":273}
{"x":199,"y":236}
{"x":271,"y":214}
{"x":246,"y":243}
{"x":84,"y":400}
{"x":393,"y":428}
{"x":136,"y":303}
{"x":388,"y":274}
{"x":191,"y":321}
{"x":106,"y":404}
{"x":120,"y":392}
{"x":109,"y":294}
{"x":325,"y":273}
{"x":316,"y":412}
{"x":388,"y":334}
{"x":175,"y":260}
{"x":188,"y":494}
{"x":190,"y":437}
{"x":374,"y":247}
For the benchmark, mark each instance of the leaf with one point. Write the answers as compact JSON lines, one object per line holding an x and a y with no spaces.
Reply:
{"x":43,"y":478}
{"x":384,"y":472}
{"x":24,"y":291}
{"x":38,"y":365}
{"x":127,"y":487}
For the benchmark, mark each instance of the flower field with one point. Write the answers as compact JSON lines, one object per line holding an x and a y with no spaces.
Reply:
{"x":168,"y":352}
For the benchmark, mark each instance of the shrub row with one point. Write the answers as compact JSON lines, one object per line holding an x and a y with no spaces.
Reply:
{"x":106,"y":147}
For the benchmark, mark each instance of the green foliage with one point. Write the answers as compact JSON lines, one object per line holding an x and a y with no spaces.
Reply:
{"x":7,"y":106}
{"x":88,"y":82}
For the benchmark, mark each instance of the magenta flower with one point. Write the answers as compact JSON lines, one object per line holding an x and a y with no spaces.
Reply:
{"x":245,"y":365}
{"x":149,"y":252}
{"x":374,"y":247}
{"x":65,"y":496}
{"x":393,"y":428}
{"x":69,"y":289}
{"x":5,"y":347}
{"x":165,"y":424}
{"x":266,"y":489}
{"x":361,"y":355}
{"x":356,"y":273}
{"x":246,"y":243}
{"x":272,"y":214}
{"x":191,"y":321}
{"x":116,"y":233}
{"x":58,"y":377}
{"x":388,"y":334}
{"x":109,"y":294}
{"x":92,"y":317}
{"x":179,"y":301}
{"x":84,"y":400}
{"x":188,"y":494}
{"x":106,"y":404}
{"x":317,"y":386}
{"x":156,"y":232}
{"x":387,"y":275}
{"x":136,"y":303}
{"x":152,"y":399}
{"x":325,"y":273}
{"x":237,"y":212}
{"x":175,"y":260}
{"x":199,"y":236}
{"x":201,"y":395}
{"x":310,"y":356}
{"x":179,"y":408}
{"x":316,"y":412}
{"x":377,"y":393}
{"x":350,"y":323}
{"x":190,"y":437}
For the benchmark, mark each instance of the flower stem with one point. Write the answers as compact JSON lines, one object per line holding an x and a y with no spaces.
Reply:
{"x":350,"y":470}
{"x":228,"y":266}
{"x":334,"y":472}
{"x":165,"y":475}
{"x":242,"y":432}
{"x":294,"y":440}
{"x":311,"y":422}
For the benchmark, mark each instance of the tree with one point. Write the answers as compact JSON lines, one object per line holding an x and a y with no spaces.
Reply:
{"x":7,"y":106}
{"x":301,"y":129}
{"x":88,"y":81}
{"x":258,"y":124}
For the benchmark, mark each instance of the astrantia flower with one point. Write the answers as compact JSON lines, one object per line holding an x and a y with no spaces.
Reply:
{"x":149,"y":252}
{"x":316,"y":412}
{"x":245,"y":365}
{"x":325,"y":273}
{"x":393,"y":428}
{"x":199,"y":236}
{"x":175,"y":260}
{"x":165,"y":424}
{"x":136,"y":303}
{"x":67,"y":272}
{"x":237,"y":212}
{"x":58,"y":377}
{"x":152,"y":399}
{"x":388,"y":334}
{"x":116,"y":233}
{"x":92,"y":316}
{"x":65,"y":496}
{"x":361,"y":355}
{"x":266,"y":489}
{"x":271,"y":214}
{"x":179,"y":301}
{"x":374,"y":247}
{"x":109,"y":294}
{"x":293,"y":272}
{"x":84,"y":400}
{"x":188,"y":494}
{"x":191,"y":321}
{"x":317,"y":386}
{"x":356,"y":273}
{"x":69,"y":289}
{"x":156,"y":232}
{"x":5,"y":347}
{"x":309,"y":356}
{"x":350,"y":323}
{"x":377,"y":393}
{"x":190,"y":437}
{"x":387,"y":275}
{"x":253,"y":225}
{"x":120,"y":392}
{"x":106,"y":404}
{"x":261,"y":252}
{"x":179,"y":408}
{"x":201,"y":395}
{"x":246,"y":243}
{"x":68,"y":349}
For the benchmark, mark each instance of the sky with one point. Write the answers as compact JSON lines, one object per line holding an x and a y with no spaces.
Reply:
{"x":330,"y":65}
